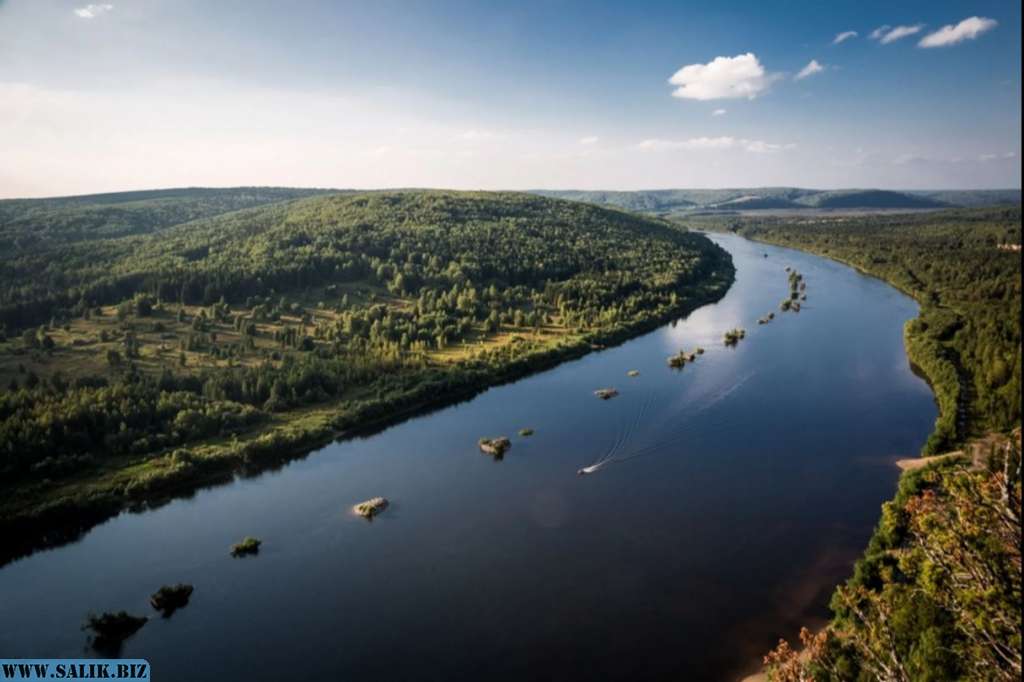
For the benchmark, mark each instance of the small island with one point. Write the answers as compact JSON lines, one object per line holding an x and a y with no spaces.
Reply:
{"x":733,"y":336}
{"x":525,"y":433}
{"x":371,"y":507}
{"x":679,"y":360}
{"x":248,"y":546}
{"x":494,"y":446}
{"x":113,"y":628}
{"x":606,"y":393}
{"x":633,"y":373}
{"x":170,"y":598}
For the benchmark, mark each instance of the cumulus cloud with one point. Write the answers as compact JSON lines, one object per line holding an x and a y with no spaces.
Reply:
{"x":844,"y":36}
{"x":718,"y":112}
{"x":812,"y":68}
{"x":889,"y":34}
{"x":91,"y":11}
{"x":968,"y":29}
{"x":722,"y":78}
{"x":712,"y":143}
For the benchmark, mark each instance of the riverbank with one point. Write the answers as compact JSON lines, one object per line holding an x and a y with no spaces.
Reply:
{"x":47,"y":514}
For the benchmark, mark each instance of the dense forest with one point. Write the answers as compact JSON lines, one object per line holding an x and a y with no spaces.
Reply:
{"x":937,"y":594}
{"x":136,"y":362}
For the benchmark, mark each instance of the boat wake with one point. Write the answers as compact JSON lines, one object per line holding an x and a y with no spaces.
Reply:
{"x":668,"y":439}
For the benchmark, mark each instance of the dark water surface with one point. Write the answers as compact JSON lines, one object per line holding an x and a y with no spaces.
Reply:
{"x":685,"y":562}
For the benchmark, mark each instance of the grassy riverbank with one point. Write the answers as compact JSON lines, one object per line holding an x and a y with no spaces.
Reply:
{"x":295,"y":324}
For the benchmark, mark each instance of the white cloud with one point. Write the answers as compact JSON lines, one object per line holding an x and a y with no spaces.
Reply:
{"x":844,"y":36}
{"x":879,"y":32}
{"x":812,"y":68}
{"x":712,"y":143}
{"x":722,"y":78}
{"x":91,"y":11}
{"x":968,"y":29}
{"x":718,"y":112}
{"x":890,"y":34}
{"x":590,"y":139}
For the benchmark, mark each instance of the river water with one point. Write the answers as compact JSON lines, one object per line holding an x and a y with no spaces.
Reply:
{"x":742,"y":488}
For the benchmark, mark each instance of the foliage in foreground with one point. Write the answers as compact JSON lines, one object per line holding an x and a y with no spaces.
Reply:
{"x":938,"y":594}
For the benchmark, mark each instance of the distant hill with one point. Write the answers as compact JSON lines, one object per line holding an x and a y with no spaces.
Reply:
{"x":755,"y":202}
{"x":787,"y":198}
{"x":971,"y":198}
{"x":869,"y":198}
{"x":657,"y":200}
{"x":44,"y":223}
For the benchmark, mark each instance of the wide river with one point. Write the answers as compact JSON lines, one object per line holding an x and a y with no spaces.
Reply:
{"x":738,"y":493}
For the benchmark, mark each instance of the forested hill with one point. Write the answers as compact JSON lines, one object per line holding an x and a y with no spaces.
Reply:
{"x":297,"y":244}
{"x":33,"y":224}
{"x":137,"y":363}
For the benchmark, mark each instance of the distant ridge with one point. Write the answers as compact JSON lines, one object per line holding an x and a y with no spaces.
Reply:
{"x":787,"y":198}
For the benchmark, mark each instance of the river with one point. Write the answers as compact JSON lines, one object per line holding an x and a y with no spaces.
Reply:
{"x":743,"y":488}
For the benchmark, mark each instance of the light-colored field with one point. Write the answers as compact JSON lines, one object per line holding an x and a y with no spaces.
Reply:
{"x":82,"y":346}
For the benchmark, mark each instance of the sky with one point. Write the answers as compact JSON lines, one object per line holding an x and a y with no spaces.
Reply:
{"x":138,"y":94}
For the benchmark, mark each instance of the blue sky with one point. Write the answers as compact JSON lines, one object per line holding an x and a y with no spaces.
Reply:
{"x":146,"y":93}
